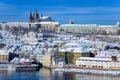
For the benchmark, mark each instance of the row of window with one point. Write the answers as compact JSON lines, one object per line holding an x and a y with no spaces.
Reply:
{"x":91,"y":66}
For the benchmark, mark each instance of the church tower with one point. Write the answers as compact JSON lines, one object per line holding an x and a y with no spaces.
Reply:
{"x":36,"y":16}
{"x":30,"y":17}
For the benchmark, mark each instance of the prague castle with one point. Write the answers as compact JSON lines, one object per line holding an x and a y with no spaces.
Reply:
{"x":40,"y":23}
{"x":35,"y":23}
{"x":90,"y":28}
{"x":35,"y":18}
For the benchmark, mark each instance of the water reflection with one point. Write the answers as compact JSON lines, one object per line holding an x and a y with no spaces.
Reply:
{"x":47,"y":74}
{"x":55,"y":75}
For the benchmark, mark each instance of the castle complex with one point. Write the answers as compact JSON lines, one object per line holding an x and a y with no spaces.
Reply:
{"x":36,"y":18}
{"x":41,"y":23}
{"x":36,"y":23}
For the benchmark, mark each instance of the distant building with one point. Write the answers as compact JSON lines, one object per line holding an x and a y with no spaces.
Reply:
{"x":98,"y":63}
{"x":42,"y":22}
{"x":36,"y":23}
{"x":110,"y":29}
{"x":48,"y":61}
{"x":71,"y":54}
{"x":78,"y":28}
{"x":4,"y":56}
{"x":90,"y":28}
{"x":37,"y":18}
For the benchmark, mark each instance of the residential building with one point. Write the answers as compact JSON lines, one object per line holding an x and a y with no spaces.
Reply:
{"x":4,"y":56}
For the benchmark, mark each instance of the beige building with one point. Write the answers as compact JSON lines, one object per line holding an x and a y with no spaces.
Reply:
{"x":98,"y":63}
{"x":47,"y":61}
{"x":109,"y":29}
{"x":4,"y":57}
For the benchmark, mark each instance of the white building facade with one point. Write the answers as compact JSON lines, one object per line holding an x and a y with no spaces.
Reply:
{"x":98,"y":63}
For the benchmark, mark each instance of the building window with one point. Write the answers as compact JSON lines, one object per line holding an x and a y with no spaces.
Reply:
{"x":101,"y":66}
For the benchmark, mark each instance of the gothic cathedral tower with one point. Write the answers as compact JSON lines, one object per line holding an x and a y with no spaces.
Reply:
{"x":30,"y":17}
{"x":34,"y":18}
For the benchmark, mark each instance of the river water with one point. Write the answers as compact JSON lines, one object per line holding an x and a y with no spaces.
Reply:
{"x":47,"y":74}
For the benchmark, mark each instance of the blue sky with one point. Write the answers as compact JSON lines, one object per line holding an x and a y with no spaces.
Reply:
{"x":80,"y":11}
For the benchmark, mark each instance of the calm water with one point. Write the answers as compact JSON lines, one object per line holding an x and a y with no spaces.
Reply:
{"x":46,"y":74}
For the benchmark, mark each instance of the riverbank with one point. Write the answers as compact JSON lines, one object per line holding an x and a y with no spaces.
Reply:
{"x":86,"y":71}
{"x":19,"y":67}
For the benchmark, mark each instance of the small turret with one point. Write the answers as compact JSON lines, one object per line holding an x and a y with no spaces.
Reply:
{"x":118,"y":24}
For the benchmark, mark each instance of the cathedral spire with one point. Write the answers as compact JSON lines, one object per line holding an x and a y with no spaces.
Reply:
{"x":30,"y":17}
{"x":36,"y":16}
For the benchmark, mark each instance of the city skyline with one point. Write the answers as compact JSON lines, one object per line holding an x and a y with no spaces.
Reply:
{"x":80,"y":11}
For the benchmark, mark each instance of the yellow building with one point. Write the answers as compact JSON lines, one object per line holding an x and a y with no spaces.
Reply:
{"x":48,"y":61}
{"x":71,"y":57}
{"x":4,"y":57}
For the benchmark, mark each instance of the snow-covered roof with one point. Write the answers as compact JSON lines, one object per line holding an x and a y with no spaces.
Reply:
{"x":108,"y":53}
{"x":45,"y":17}
{"x":3,"y":52}
{"x":49,"y":22}
{"x":77,"y":50}
{"x":79,"y":25}
{"x":109,"y":26}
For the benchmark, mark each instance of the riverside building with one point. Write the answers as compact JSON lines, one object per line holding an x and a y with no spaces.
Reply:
{"x":98,"y":63}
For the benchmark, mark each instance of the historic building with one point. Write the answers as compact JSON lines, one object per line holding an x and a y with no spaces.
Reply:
{"x":109,"y":29}
{"x":78,"y":28}
{"x":36,"y":23}
{"x":98,"y":63}
{"x":42,"y":22}
{"x":4,"y":56}
{"x":90,"y":28}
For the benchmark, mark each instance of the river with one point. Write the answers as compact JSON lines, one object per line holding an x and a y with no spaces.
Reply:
{"x":47,"y":74}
